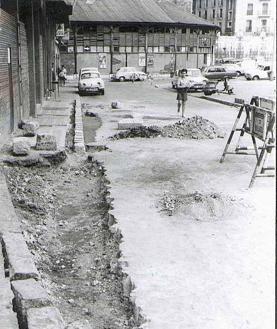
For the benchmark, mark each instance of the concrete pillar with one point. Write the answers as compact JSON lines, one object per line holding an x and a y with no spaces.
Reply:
{"x":75,"y":49}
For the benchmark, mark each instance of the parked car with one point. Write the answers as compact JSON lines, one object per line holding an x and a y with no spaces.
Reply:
{"x":128,"y":73}
{"x":91,"y":83}
{"x":260,"y":72}
{"x":218,"y":73}
{"x":196,"y":78}
{"x":234,"y":68}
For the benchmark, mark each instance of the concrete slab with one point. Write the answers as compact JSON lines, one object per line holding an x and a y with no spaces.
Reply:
{"x":8,"y":218}
{"x":130,"y":123}
{"x":6,"y":295}
{"x":8,"y":321}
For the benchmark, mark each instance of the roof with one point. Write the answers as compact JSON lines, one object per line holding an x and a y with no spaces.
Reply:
{"x":134,"y":11}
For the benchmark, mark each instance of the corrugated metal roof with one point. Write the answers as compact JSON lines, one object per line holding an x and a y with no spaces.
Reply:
{"x":134,"y":11}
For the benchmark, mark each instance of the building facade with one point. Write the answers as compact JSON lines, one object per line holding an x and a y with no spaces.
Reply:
{"x":155,"y":38}
{"x":256,"y":17}
{"x":28,"y":47}
{"x":219,"y":12}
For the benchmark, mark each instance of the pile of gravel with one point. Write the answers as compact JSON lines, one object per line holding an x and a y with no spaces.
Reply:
{"x":195,"y":127}
{"x":197,"y":205}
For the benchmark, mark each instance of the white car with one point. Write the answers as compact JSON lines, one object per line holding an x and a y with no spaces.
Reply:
{"x":234,"y":68}
{"x":128,"y":73}
{"x":91,"y":83}
{"x":260,"y":72}
{"x":198,"y":82}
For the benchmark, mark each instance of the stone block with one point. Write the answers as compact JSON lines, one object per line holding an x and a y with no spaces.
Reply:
{"x":30,"y":127}
{"x":44,"y":318}
{"x":21,"y":147}
{"x":21,"y":264}
{"x":28,"y":294}
{"x":116,"y":105}
{"x":46,"y":142}
{"x":130,"y":123}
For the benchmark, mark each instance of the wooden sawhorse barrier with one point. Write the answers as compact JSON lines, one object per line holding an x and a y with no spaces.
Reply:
{"x":259,"y":123}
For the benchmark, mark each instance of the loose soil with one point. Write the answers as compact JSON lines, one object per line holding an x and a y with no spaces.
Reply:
{"x":200,"y":206}
{"x":64,"y":215}
{"x":195,"y":127}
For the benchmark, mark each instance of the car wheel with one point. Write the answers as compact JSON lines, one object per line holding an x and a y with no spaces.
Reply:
{"x":102,"y":92}
{"x":208,"y":93}
{"x":121,"y":79}
{"x":256,"y":77}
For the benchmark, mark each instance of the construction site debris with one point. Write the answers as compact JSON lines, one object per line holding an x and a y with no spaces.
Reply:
{"x":195,"y":127}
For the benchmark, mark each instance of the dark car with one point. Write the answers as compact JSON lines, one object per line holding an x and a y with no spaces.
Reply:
{"x":218,"y":73}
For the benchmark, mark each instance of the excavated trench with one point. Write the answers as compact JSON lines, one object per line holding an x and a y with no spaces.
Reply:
{"x":64,"y":213}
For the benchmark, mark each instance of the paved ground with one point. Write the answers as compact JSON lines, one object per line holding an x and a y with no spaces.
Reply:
{"x":210,"y":265}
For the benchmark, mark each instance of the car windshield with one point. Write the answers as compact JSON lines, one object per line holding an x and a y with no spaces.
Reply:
{"x":194,"y":73}
{"x":89,"y":75}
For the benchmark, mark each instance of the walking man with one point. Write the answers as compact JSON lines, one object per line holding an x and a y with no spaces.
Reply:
{"x":183,"y":85}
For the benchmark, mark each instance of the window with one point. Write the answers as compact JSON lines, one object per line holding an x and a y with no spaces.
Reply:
{"x":200,"y":3}
{"x":221,"y":13}
{"x":207,"y":3}
{"x":248,"y":25}
{"x":264,"y":24}
{"x":230,"y":4}
{"x":229,"y":15}
{"x":249,"y":9}
{"x":265,"y":9}
{"x":229,"y":24}
{"x":199,"y":14}
{"x":206,"y":14}
{"x":213,"y":13}
{"x":214,"y":3}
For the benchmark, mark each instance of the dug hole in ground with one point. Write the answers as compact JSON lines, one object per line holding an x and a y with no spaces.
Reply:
{"x":198,"y":243}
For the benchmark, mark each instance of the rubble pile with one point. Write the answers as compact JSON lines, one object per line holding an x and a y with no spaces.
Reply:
{"x":143,"y":131}
{"x":195,"y":127}
{"x":197,"y":205}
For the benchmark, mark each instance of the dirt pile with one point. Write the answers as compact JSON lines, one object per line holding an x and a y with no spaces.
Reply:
{"x":195,"y":127}
{"x":198,"y":206}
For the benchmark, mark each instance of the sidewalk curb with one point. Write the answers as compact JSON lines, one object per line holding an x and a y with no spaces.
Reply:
{"x":216,"y":100}
{"x":79,"y":142}
{"x":19,"y":268}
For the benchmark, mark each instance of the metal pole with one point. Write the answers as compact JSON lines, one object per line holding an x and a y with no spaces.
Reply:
{"x":11,"y":89}
{"x":19,"y":62}
{"x":75,"y":49}
{"x":33,"y":109}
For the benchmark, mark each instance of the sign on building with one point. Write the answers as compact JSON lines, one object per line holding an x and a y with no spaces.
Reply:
{"x":59,"y":30}
{"x":102,"y":61}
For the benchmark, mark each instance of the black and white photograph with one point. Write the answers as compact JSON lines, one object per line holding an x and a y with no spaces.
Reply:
{"x":137,"y":164}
